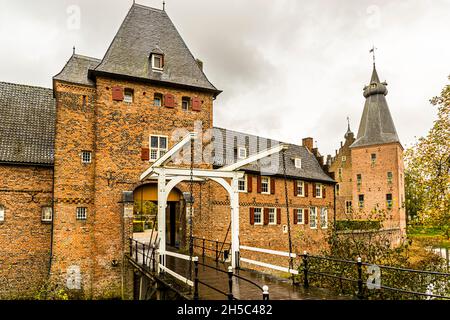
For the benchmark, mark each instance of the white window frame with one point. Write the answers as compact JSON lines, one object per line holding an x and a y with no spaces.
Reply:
{"x":274,"y":212}
{"x":324,"y":217}
{"x":298,"y":163}
{"x":313,"y":217}
{"x":244,"y":150}
{"x":44,"y":217}
{"x":344,"y":158}
{"x":82,"y":213}
{"x":159,"y":151}
{"x":159,"y":97}
{"x":2,"y":213}
{"x":86,"y":157}
{"x":261,"y":213}
{"x":319,"y":187}
{"x":128,"y":95}
{"x":268,"y":185}
{"x":245,"y":184}
{"x":154,"y":67}
{"x":301,"y":213}
{"x":302,"y":183}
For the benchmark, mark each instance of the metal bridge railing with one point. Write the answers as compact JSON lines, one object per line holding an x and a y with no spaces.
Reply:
{"x":214,"y":246}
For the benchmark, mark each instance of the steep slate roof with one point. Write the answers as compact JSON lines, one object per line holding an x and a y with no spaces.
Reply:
{"x":230,"y":140}
{"x":376,"y":126}
{"x":146,"y":30}
{"x":27,"y":124}
{"x":76,"y":70}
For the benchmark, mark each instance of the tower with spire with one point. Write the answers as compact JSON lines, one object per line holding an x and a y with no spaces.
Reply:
{"x":371,"y":179}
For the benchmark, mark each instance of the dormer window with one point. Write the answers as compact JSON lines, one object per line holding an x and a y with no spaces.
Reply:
{"x":298,"y":163}
{"x":157,"y":61}
{"x":242,"y":153}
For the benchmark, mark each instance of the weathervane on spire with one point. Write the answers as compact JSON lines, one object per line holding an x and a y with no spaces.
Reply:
{"x":164,"y":5}
{"x":348,"y":120}
{"x":373,"y":53}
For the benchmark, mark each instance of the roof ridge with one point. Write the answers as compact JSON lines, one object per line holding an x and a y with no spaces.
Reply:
{"x":24,"y":85}
{"x":85,"y":57}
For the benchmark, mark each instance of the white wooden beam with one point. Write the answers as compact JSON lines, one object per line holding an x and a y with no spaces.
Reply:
{"x":165,"y":158}
{"x":199,"y":173}
{"x":254,"y":158}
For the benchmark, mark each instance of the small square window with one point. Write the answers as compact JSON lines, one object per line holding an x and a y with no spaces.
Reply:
{"x":242,"y":153}
{"x":86,"y":157}
{"x":47,"y":214}
{"x":128,"y":95}
{"x":258,"y":216}
{"x":344,"y":158}
{"x":157,"y":61}
{"x":298,"y":163}
{"x":81,"y":213}
{"x":185,"y":104}
{"x":157,"y":100}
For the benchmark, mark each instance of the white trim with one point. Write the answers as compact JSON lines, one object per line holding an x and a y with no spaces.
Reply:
{"x":154,"y":55}
{"x":158,"y":149}
{"x":202,"y":173}
{"x":239,"y":152}
{"x":42,"y":214}
{"x":176,"y":275}
{"x":271,"y":266}
{"x":310,"y":213}
{"x":254,"y":158}
{"x":303,"y":216}
{"x":302,"y":195}
{"x":274,"y":223}
{"x":326,"y":217}
{"x":274,"y":252}
{"x":245,"y":178}
{"x":321,"y":190}
{"x":262,"y":216}
{"x":180,"y":256}
{"x":298,"y":163}
{"x":268,"y":185}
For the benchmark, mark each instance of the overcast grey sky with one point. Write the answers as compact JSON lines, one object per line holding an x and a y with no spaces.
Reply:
{"x":288,"y":68}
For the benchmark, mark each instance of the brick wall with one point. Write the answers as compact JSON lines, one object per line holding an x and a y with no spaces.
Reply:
{"x":24,"y":239}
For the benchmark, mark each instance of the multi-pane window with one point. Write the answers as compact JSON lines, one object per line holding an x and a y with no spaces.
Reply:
{"x":185,"y":103}
{"x":344,"y":158}
{"x":158,"y":147}
{"x":2,"y":213}
{"x":389,"y":201}
{"x":47,"y":214}
{"x":128,"y":95}
{"x":358,"y":179}
{"x":389,"y":177}
{"x":86,"y":157}
{"x":298,"y":163}
{"x":348,"y":207}
{"x":82,"y":213}
{"x":300,"y":188}
{"x":258,"y":216}
{"x":337,"y":190}
{"x":300,"y":216}
{"x":340,"y":173}
{"x":361,"y":201}
{"x":265,"y":185}
{"x":318,"y":190}
{"x":324,"y":218}
{"x":313,"y":218}
{"x":242,"y":184}
{"x":157,"y":61}
{"x":242,"y":153}
{"x":272,"y":216}
{"x":157,"y":100}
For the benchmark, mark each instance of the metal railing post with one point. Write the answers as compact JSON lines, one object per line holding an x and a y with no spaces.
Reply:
{"x":136,"y":251}
{"x":144,"y":262}
{"x":131,"y":247}
{"x":360,"y":281}
{"x":266,"y":293}
{"x":305,"y":269}
{"x":217,"y":250}
{"x":230,"y":283}
{"x":203,"y":248}
{"x":196,"y":296}
{"x":153,"y":259}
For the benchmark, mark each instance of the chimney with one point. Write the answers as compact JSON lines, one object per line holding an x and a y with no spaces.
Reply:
{"x":308,"y":143}
{"x":200,"y":63}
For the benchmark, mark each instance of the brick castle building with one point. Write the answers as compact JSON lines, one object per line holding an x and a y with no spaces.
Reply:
{"x":68,"y":154}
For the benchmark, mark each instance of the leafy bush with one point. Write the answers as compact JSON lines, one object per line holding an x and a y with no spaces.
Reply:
{"x":138,"y":226}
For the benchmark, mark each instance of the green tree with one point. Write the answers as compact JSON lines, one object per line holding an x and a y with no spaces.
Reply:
{"x":428,"y":170}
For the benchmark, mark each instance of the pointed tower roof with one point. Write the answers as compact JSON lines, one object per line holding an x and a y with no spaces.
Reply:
{"x":145,"y":31}
{"x":376,"y":126}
